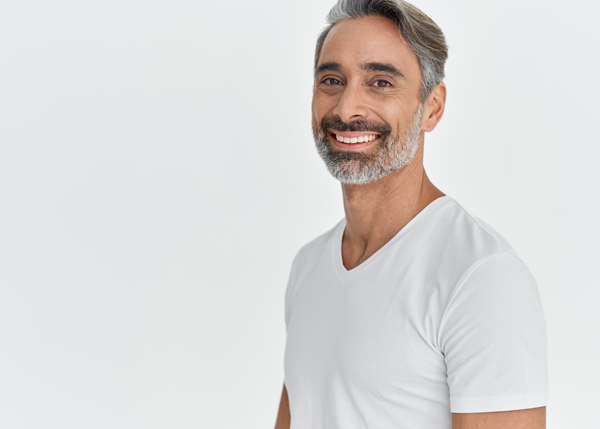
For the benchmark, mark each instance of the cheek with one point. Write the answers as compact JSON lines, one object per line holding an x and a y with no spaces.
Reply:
{"x":400,"y":117}
{"x":315,"y":118}
{"x":316,"y":105}
{"x":314,"y":108}
{"x":322,"y":105}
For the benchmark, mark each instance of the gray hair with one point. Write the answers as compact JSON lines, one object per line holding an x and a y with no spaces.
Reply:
{"x":421,"y":33}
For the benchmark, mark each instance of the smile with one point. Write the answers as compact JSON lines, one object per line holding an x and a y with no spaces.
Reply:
{"x":352,"y":138}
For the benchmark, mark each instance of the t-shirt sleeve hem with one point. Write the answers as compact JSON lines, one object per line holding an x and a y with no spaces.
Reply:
{"x":484,"y":404}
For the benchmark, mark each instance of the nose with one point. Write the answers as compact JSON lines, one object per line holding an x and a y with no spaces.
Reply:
{"x":351,"y":105}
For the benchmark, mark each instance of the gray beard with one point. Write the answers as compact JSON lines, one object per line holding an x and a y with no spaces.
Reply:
{"x":390,"y":154}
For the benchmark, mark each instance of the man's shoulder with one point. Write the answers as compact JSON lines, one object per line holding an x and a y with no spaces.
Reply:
{"x":307,"y":259}
{"x":314,"y":249}
{"x":458,"y":227}
{"x":454,"y":241}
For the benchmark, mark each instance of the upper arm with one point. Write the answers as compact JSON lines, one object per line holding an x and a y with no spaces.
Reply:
{"x":493,"y":339}
{"x":283,"y":416}
{"x":532,"y":418}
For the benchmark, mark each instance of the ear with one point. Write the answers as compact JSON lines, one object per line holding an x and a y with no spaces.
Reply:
{"x":434,"y":108}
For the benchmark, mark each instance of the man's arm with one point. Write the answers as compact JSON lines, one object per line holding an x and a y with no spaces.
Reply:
{"x":533,"y":418}
{"x":283,"y":417}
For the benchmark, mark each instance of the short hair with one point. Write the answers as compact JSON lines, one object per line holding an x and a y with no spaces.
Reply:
{"x":421,"y":33}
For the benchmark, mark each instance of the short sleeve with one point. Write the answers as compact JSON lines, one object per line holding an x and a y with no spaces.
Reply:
{"x":493,"y":337}
{"x":289,"y":292}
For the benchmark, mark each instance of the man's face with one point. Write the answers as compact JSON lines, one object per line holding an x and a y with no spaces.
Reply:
{"x":366,"y":110}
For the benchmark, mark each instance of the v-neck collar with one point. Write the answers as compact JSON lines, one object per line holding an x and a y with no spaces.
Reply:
{"x":345,"y":274}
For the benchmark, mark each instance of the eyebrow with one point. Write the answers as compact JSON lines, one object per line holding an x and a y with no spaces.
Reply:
{"x":327,"y":67}
{"x":380,"y":67}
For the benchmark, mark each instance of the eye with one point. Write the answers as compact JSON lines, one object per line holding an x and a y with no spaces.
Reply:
{"x":331,"y":81}
{"x":381,"y":83}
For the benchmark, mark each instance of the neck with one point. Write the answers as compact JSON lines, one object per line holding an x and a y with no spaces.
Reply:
{"x":377,"y":211}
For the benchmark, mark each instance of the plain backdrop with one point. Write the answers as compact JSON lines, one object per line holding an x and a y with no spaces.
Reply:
{"x":158,"y":175}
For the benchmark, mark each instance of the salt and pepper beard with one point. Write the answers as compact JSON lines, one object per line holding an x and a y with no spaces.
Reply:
{"x":356,"y":168}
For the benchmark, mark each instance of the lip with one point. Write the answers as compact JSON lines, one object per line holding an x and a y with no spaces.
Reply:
{"x":346,"y":146}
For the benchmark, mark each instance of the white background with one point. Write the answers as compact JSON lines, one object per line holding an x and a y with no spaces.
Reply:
{"x":158,"y":174}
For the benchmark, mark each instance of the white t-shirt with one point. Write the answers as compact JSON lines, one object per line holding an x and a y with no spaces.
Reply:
{"x":444,"y":318}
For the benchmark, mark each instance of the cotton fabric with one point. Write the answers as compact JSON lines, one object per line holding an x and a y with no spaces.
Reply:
{"x":444,"y":318}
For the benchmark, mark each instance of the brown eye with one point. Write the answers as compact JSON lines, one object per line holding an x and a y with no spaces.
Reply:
{"x":381,"y":83}
{"x":331,"y":81}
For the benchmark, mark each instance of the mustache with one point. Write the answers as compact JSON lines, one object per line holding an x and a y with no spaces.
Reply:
{"x":358,"y":126}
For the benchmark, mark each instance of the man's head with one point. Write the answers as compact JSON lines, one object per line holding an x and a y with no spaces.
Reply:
{"x":378,"y":72}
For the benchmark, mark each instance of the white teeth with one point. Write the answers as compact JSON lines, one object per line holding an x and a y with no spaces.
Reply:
{"x":352,"y":140}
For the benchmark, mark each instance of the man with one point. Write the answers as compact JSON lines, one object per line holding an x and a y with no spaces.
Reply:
{"x":411,"y":312}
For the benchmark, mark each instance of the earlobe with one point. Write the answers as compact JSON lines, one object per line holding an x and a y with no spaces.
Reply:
{"x":434,"y":108}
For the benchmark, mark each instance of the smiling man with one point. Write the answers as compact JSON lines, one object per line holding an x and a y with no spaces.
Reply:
{"x":411,"y":312}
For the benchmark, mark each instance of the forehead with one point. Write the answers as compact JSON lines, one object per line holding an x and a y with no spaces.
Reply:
{"x":355,"y":41}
